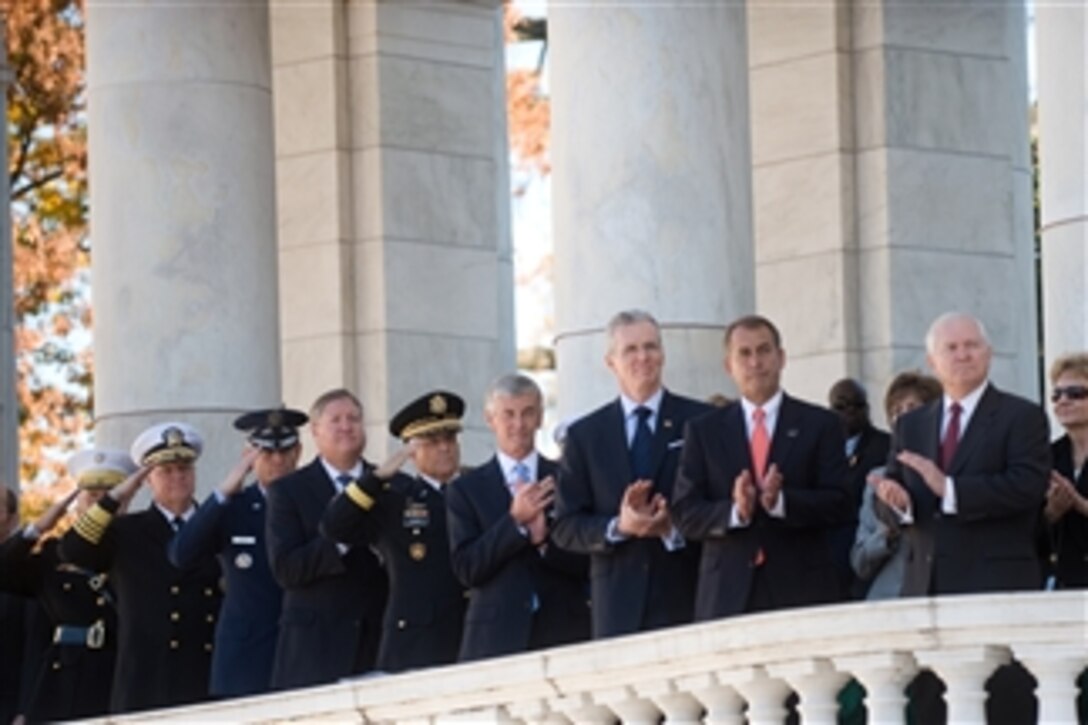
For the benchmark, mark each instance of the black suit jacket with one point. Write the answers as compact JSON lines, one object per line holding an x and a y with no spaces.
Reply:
{"x":245,"y":640}
{"x":1000,"y":472}
{"x":166,"y":616}
{"x":635,"y":584}
{"x":1066,"y":540}
{"x":808,"y":449}
{"x":871,"y":452}
{"x":504,"y":571}
{"x":332,"y":603}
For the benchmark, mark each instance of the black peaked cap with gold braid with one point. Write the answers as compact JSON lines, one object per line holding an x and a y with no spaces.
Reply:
{"x":436,"y":412}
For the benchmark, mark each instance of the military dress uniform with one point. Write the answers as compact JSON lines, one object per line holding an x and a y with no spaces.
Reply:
{"x":77,"y":668}
{"x":404,"y":518}
{"x":166,"y":617}
{"x":234,"y":530}
{"x":74,"y":676}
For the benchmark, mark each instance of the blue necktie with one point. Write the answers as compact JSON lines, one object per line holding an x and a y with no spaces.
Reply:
{"x":642,"y":444}
{"x":521,"y":473}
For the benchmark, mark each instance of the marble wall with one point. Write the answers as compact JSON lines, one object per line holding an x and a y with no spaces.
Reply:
{"x":1062,"y":42}
{"x":182,"y":220}
{"x":890,"y":167}
{"x":651,"y":185}
{"x":393,"y":218}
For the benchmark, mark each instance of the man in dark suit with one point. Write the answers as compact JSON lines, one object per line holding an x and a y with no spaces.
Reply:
{"x":333,"y":595}
{"x":166,"y":617}
{"x":404,"y":517}
{"x":230,"y":525}
{"x":615,"y":480}
{"x":760,"y":482}
{"x":525,"y":593}
{"x":866,"y":449}
{"x":969,"y":473}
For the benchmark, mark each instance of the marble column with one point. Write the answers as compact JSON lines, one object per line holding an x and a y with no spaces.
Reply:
{"x":391,"y":160}
{"x":890,"y":163}
{"x":9,"y":408}
{"x":651,"y":185}
{"x":1061,"y":43}
{"x":182,"y":219}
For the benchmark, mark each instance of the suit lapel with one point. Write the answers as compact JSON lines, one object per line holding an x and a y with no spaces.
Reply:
{"x":156,"y":526}
{"x":498,"y":491}
{"x":976,"y":428}
{"x":736,"y":434}
{"x":786,"y":431}
{"x":664,"y":432}
{"x":615,"y":445}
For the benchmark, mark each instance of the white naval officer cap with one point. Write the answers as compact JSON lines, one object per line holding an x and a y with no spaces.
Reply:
{"x":167,"y":443}
{"x":100,"y":467}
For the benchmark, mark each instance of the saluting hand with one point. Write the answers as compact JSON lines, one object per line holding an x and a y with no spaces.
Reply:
{"x":53,"y":514}
{"x":397,"y":460}
{"x":232,"y":484}
{"x":124,"y":491}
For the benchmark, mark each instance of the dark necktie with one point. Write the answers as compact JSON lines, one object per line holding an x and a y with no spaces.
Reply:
{"x":177,"y":523}
{"x":951,"y":436}
{"x":642,"y":444}
{"x":342,"y":481}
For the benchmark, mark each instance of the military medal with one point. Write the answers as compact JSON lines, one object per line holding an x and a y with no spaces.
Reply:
{"x":243,"y":560}
{"x":416,"y":515}
{"x":417,"y":551}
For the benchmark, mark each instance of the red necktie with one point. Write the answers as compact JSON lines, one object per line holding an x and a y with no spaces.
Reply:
{"x":761,"y":445}
{"x":951,"y":436}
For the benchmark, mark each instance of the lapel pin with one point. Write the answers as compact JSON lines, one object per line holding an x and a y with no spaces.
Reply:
{"x":666,"y":423}
{"x":792,"y":433}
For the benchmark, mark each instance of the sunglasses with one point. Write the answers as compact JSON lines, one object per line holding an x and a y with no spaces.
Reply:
{"x":1073,"y":392}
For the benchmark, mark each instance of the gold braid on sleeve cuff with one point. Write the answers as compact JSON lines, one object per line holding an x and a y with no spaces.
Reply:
{"x":93,"y":523}
{"x":359,"y":496}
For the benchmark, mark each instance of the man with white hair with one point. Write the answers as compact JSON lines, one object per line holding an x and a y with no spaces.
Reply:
{"x":968,"y":473}
{"x":166,"y":617}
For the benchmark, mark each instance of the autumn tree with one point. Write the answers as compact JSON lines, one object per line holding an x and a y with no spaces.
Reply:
{"x":47,"y":168}
{"x":528,"y":109}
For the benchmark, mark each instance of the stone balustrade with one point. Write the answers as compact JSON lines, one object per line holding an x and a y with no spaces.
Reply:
{"x":723,"y":672}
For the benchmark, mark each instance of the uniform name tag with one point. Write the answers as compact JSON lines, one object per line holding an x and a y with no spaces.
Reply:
{"x":244,"y":540}
{"x":416,"y":515}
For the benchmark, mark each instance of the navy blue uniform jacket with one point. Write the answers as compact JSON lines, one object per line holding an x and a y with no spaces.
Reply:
{"x":245,"y":639}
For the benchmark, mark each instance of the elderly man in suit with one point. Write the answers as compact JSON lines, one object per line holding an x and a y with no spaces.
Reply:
{"x":760,"y":483}
{"x":969,"y":473}
{"x":334,"y":595}
{"x":166,"y":617}
{"x":230,"y":524}
{"x":525,"y":594}
{"x":615,"y":479}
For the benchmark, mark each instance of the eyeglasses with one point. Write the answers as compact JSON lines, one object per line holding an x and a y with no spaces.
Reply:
{"x":1073,"y":392}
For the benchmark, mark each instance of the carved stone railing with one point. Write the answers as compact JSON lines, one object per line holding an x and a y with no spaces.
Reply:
{"x":726,"y":671}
